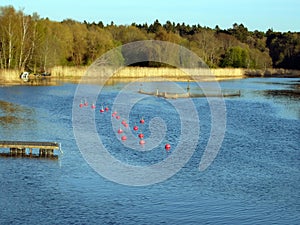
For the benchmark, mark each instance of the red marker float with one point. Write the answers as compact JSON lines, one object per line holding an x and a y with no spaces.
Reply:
{"x":135,"y":128}
{"x":102,"y":110}
{"x":124,"y":138}
{"x":81,"y":105}
{"x":142,"y":142}
{"x":106,"y":109}
{"x":126,"y":125}
{"x":141,"y":136}
{"x":120,"y":131}
{"x":123,"y":122}
{"x":142,"y":121}
{"x":86,"y":103}
{"x":118,"y":117}
{"x":167,"y":147}
{"x":93,"y":106}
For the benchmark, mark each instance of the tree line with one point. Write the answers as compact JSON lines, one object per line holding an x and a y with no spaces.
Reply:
{"x":28,"y":42}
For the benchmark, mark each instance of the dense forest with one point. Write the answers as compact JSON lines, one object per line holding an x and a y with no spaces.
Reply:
{"x":37,"y":44}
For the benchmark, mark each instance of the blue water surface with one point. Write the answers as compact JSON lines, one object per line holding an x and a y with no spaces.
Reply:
{"x":255,"y":178}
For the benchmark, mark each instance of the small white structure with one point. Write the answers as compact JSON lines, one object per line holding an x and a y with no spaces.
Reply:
{"x":25,"y":76}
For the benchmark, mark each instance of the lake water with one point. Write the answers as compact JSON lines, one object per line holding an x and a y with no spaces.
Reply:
{"x":255,"y":178}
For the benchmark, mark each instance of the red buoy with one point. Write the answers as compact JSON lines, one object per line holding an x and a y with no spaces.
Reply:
{"x":93,"y":106}
{"x":135,"y":128}
{"x":86,"y":103}
{"x":101,"y":110}
{"x":113,"y":115}
{"x":106,"y":109}
{"x":142,"y":121}
{"x":118,"y":117}
{"x":124,"y":138}
{"x":120,"y":131}
{"x":167,"y":147}
{"x":142,"y":142}
{"x":141,"y":136}
{"x":123,"y":122}
{"x":126,"y":125}
{"x":81,"y":105}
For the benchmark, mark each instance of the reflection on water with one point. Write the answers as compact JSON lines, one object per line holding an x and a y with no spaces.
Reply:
{"x":284,"y":93}
{"x":8,"y":107}
{"x":14,"y":114}
{"x":42,"y":81}
{"x":5,"y":120}
{"x":111,"y":81}
{"x":288,"y":98}
{"x":114,"y":80}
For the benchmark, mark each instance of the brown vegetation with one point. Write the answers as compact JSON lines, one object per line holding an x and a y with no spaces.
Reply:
{"x":128,"y":74}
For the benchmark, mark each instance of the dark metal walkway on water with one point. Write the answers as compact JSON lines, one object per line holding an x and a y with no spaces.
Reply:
{"x":25,"y":149}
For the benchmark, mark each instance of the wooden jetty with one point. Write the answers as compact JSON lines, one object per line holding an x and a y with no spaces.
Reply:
{"x":30,"y":149}
{"x":188,"y":94}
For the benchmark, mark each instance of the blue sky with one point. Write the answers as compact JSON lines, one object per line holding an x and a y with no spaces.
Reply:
{"x":280,"y":15}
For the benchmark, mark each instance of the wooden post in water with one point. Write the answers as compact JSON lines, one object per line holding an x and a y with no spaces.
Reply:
{"x":50,"y":152}
{"x":19,"y":151}
{"x":42,"y":152}
{"x":13,"y":151}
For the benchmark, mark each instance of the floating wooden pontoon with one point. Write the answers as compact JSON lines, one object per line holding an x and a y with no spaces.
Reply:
{"x":188,"y":94}
{"x":26,"y":149}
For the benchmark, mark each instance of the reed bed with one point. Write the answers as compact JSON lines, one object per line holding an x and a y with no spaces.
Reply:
{"x":139,"y":72}
{"x":75,"y":74}
{"x":68,"y":71}
{"x":9,"y":75}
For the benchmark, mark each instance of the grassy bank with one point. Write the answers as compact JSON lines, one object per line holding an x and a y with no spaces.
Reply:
{"x":9,"y":76}
{"x":151,"y":72}
{"x":272,"y":73}
{"x":131,"y":73}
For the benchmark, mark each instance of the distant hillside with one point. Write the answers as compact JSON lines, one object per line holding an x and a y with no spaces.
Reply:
{"x":37,"y":44}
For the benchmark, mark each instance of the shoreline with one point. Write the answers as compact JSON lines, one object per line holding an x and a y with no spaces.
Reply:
{"x":130,"y":74}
